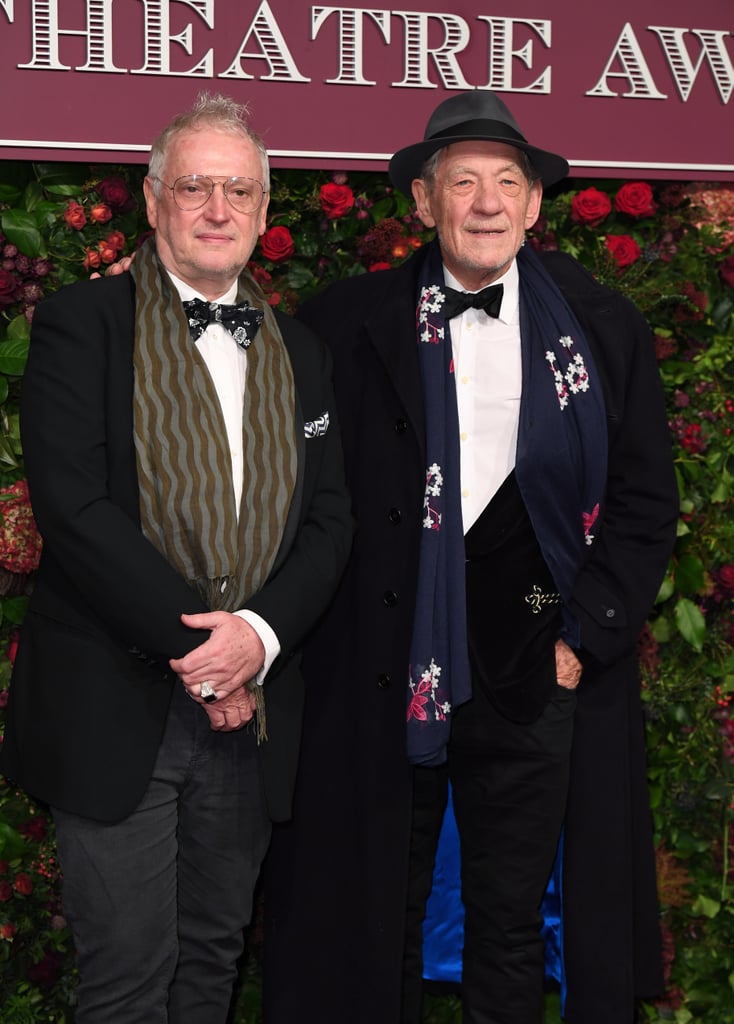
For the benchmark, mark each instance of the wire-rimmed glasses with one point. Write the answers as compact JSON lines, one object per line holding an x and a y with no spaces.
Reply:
{"x":192,"y":191}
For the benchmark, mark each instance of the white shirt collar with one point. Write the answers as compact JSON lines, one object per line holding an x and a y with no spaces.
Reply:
{"x":510,"y":310}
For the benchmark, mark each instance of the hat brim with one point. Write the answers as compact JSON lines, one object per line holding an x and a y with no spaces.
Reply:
{"x":406,"y":164}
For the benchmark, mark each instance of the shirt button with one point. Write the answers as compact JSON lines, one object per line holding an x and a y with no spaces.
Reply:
{"x":463,"y":435}
{"x":395,"y":515}
{"x":390,"y":598}
{"x":383,"y":680}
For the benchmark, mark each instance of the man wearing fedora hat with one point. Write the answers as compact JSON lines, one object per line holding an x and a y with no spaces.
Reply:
{"x":509,"y":461}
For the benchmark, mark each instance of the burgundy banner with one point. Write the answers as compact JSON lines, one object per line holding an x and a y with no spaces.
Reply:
{"x":635,"y":87}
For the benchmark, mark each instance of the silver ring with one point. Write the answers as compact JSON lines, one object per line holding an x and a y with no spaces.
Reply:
{"x":207,"y":693}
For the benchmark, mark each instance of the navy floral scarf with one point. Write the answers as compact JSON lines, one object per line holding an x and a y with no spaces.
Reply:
{"x":561,"y":466}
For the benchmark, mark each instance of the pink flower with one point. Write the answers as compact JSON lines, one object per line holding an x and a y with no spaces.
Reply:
{"x":20,"y":541}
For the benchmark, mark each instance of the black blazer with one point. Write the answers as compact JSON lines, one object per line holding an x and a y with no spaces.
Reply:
{"x":91,"y":683}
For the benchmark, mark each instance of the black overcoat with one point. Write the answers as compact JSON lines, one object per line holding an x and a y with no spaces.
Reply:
{"x":335,"y":893}
{"x":91,"y":684}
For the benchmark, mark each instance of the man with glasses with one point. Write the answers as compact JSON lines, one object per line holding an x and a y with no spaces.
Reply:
{"x":186,"y":475}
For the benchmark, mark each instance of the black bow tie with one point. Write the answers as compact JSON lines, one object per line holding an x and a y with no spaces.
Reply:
{"x":242,"y":321}
{"x":489,"y":299}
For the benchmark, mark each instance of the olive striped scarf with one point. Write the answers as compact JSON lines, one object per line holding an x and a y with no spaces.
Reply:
{"x":187,"y":501}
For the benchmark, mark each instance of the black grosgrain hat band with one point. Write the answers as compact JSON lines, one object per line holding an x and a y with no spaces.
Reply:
{"x":481,"y":126}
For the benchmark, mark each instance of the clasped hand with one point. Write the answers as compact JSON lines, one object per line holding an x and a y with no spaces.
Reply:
{"x":230,"y":658}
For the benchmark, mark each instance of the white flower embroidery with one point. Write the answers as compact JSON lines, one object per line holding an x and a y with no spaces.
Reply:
{"x":576,"y":377}
{"x":434,"y":484}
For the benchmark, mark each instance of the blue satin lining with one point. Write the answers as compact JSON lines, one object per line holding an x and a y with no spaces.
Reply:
{"x":443,"y":929}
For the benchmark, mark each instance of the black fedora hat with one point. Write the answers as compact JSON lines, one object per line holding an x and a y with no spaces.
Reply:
{"x":479,"y":115}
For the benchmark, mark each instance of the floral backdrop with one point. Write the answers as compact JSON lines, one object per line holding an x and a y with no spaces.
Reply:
{"x":670,"y":247}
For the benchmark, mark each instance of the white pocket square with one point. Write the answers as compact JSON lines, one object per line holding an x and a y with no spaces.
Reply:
{"x":317,"y":428}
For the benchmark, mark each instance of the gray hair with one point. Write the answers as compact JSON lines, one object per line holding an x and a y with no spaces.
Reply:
{"x":220,"y":113}
{"x":429,"y":170}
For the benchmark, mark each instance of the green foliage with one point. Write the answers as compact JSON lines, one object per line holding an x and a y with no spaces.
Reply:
{"x":670,"y":249}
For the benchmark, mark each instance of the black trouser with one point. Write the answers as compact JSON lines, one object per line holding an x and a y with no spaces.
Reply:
{"x":509,"y":784}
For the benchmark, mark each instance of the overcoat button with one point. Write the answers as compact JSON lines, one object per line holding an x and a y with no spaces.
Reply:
{"x":401,"y":425}
{"x":395,"y":515}
{"x":383,"y":680}
{"x":611,"y":613}
{"x":390,"y":598}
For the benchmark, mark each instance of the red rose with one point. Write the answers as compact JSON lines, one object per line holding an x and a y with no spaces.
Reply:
{"x":336,"y":200}
{"x":261,"y":275}
{"x":116,"y":194}
{"x":726,"y":271}
{"x":635,"y":198}
{"x":8,"y":288}
{"x":400,"y":251}
{"x":117,"y":240}
{"x":624,"y":250}
{"x":23,"y":884}
{"x":6,"y":892}
{"x":107,"y":252}
{"x":100,"y":213}
{"x":380,"y":265}
{"x":7,"y":931}
{"x":277,"y":245}
{"x":590,"y":206}
{"x":74,"y":215}
{"x":91,"y":259}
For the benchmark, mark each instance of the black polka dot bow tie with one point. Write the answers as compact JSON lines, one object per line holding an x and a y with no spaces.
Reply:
{"x":489,"y":299}
{"x":242,"y":321}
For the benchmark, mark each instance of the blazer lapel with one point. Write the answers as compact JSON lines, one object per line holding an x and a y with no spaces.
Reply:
{"x":392,"y":333}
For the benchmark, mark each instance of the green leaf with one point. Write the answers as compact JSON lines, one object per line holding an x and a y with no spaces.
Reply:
{"x":690,"y":622}
{"x":705,"y":907}
{"x":19,"y":328}
{"x":13,"y":356}
{"x":14,"y":609}
{"x":9,"y":194}
{"x":7,"y":455}
{"x":717,"y":789}
{"x":689,"y":574}
{"x":661,"y":630}
{"x":12,"y":844}
{"x":667,"y":589}
{"x":20,"y":228}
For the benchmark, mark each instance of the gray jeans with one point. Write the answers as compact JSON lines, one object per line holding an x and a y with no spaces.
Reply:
{"x":158,"y":902}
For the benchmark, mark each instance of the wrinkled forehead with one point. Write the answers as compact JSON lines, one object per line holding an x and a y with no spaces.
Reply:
{"x":481,"y":155}
{"x":210,"y":151}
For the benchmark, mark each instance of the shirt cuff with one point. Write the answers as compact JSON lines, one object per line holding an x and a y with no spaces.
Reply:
{"x":269,"y":640}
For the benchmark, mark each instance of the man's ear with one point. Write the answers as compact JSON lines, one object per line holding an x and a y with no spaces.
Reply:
{"x":151,"y":201}
{"x":423,"y":202}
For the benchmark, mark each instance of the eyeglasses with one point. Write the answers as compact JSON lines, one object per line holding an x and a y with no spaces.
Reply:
{"x":192,"y":191}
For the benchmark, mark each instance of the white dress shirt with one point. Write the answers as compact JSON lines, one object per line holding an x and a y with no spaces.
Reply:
{"x":226,"y":362}
{"x":488,"y":373}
